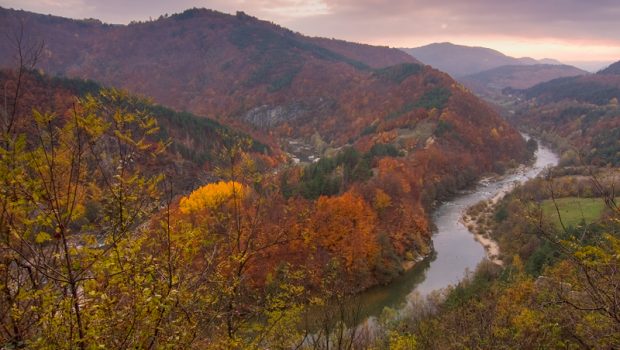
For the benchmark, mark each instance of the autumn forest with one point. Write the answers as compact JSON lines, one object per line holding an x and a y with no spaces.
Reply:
{"x":205,"y":180}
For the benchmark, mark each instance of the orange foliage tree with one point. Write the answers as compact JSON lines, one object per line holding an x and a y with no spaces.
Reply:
{"x":345,"y":226}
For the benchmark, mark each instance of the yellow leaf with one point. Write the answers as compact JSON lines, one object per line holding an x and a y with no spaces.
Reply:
{"x":42,"y":237}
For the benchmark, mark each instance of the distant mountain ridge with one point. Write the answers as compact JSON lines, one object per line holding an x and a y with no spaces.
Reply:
{"x":613,"y":69}
{"x":517,"y":77}
{"x":579,"y":115}
{"x":460,"y":60}
{"x":596,"y":89}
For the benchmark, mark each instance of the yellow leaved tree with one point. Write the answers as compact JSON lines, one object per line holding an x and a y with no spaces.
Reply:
{"x":212,"y":196}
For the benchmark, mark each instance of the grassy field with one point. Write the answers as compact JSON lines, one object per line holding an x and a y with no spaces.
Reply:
{"x":573,"y":210}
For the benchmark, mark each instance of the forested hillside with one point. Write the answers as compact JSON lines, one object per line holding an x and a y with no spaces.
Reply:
{"x":613,"y":69}
{"x":557,"y":238}
{"x":213,"y":64}
{"x":406,"y":130}
{"x":195,"y":229}
{"x":99,"y":176}
{"x":192,"y":143}
{"x":243,"y":71}
{"x":579,"y":115}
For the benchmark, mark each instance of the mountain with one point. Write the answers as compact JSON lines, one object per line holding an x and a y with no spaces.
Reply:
{"x":579,"y":115}
{"x":374,"y":56}
{"x":549,"y":61}
{"x":613,"y":69}
{"x":517,"y":77}
{"x":597,"y":88}
{"x":253,"y":75}
{"x":234,"y":67}
{"x":460,"y":60}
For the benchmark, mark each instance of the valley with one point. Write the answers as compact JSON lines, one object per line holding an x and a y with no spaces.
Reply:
{"x":208,"y":179}
{"x":456,"y":252}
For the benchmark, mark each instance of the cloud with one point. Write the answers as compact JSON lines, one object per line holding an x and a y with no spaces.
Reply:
{"x":529,"y":18}
{"x":299,"y":8}
{"x":550,"y":27}
{"x":68,"y":8}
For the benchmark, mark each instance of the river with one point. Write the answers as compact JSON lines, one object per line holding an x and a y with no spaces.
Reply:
{"x":456,"y":250}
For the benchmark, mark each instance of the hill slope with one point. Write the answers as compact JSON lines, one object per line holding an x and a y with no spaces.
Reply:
{"x":594,"y":88}
{"x":208,"y":63}
{"x":613,"y":69}
{"x":373,"y":56}
{"x":262,"y":77}
{"x":460,"y":60}
{"x":392,"y":141}
{"x":579,"y":115}
{"x":195,"y":142}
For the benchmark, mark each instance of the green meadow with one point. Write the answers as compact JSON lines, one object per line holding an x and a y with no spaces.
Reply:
{"x":574,"y":210}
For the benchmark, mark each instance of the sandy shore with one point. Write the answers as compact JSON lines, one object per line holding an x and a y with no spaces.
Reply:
{"x":471,"y":223}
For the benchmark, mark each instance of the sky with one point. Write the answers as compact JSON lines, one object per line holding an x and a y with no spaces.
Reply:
{"x":573,"y":31}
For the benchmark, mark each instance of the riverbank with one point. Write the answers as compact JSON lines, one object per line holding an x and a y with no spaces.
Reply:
{"x":474,"y":218}
{"x":455,"y":253}
{"x":474,"y":222}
